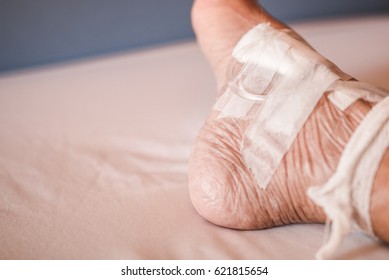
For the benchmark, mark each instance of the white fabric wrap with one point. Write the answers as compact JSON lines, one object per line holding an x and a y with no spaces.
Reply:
{"x":346,"y":195}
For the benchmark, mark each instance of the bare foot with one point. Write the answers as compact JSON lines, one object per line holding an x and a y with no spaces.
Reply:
{"x":222,"y":188}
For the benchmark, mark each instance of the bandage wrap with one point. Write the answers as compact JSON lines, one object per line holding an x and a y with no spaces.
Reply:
{"x":275,"y":82}
{"x":347,"y":193}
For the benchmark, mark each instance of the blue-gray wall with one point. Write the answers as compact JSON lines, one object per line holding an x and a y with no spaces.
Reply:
{"x":36,"y":32}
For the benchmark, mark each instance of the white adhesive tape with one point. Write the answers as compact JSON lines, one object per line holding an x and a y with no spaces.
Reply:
{"x":286,"y":78}
{"x":345,"y":93}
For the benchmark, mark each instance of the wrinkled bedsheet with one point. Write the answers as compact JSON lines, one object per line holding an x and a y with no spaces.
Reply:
{"x":93,"y":155}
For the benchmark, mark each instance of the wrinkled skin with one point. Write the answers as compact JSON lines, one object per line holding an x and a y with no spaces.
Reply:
{"x":222,"y":189}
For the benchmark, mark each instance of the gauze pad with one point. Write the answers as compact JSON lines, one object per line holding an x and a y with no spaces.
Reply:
{"x":276,"y":81}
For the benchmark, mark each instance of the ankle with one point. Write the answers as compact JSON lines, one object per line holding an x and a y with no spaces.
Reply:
{"x":247,"y":11}
{"x":219,"y":25}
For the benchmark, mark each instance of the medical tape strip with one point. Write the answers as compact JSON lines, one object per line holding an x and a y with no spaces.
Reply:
{"x":294,"y":77}
{"x":344,"y":93}
{"x":348,"y":191}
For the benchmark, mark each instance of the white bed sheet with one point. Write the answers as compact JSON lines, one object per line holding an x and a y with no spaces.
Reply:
{"x":93,"y":155}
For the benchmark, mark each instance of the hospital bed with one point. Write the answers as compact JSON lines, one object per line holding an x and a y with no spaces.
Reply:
{"x":94,"y":153}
